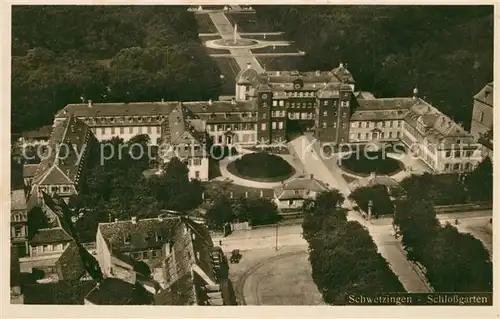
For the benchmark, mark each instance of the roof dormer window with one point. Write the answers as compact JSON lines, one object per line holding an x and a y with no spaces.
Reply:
{"x":227,"y":115}
{"x":212,"y":116}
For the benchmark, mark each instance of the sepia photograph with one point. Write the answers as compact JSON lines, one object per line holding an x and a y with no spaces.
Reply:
{"x":260,"y":155}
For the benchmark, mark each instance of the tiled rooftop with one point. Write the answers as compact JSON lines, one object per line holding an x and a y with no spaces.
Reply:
{"x":113,"y":291}
{"x":76,"y":262}
{"x":29,"y":170}
{"x":117,"y":109}
{"x":40,"y":134}
{"x":486,"y":94}
{"x":50,"y":236}
{"x":303,"y":183}
{"x":60,"y":167}
{"x":140,"y":235}
{"x":18,"y":200}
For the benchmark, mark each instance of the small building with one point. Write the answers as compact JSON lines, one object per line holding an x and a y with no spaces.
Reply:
{"x":36,"y":137}
{"x":195,"y":271}
{"x":121,"y":245}
{"x":482,"y":111}
{"x":290,"y":196}
{"x":63,"y":163}
{"x":183,"y":136}
{"x":52,"y":231}
{"x":29,"y":172}
{"x":77,"y":264}
{"x":19,"y":222}
{"x":113,"y":291}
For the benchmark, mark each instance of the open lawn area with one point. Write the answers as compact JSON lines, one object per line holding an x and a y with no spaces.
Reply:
{"x":279,"y":63}
{"x":267,"y":277}
{"x":276,"y":49}
{"x":230,"y":69}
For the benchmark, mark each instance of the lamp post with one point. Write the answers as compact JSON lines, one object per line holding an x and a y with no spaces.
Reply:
{"x":370,"y":206}
{"x":277,"y":225}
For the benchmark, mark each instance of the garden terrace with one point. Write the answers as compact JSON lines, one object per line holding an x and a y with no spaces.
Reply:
{"x":230,"y":69}
{"x":247,"y":22}
{"x":276,"y":49}
{"x":262,"y":167}
{"x":365,"y":163}
{"x":205,"y":24}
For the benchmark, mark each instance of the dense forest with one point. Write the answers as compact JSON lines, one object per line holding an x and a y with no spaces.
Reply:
{"x":70,"y":54}
{"x":447,"y":51}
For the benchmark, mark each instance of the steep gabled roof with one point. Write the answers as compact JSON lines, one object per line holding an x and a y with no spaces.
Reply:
{"x":486,"y":94}
{"x":76,"y":262}
{"x":60,"y":165}
{"x":18,"y":200}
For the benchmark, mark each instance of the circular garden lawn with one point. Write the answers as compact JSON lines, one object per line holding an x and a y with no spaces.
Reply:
{"x":365,"y":163}
{"x":261,"y":167}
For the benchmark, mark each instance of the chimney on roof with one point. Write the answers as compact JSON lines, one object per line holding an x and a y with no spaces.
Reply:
{"x":210,"y":102}
{"x":372,"y":175}
{"x":261,"y":193}
{"x":134,"y":220}
{"x":162,"y":100}
{"x":341,"y":65}
{"x":318,"y":72}
{"x":277,"y":73}
{"x":233,"y":101}
{"x":90,"y":103}
{"x":249,"y":65}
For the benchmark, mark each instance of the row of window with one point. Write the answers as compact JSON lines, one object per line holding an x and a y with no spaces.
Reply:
{"x":18,"y":217}
{"x":145,"y":254}
{"x":369,"y":136}
{"x":241,"y":114}
{"x":343,"y":125}
{"x":300,"y":93}
{"x":47,"y":248}
{"x":458,"y":154}
{"x":55,"y":189}
{"x":301,"y":116}
{"x":278,"y":113}
{"x":243,"y":138}
{"x":274,"y":125}
{"x":232,"y":127}
{"x":130,"y":130}
{"x":458,"y":166}
{"x":123,"y":119}
{"x":371,"y":124}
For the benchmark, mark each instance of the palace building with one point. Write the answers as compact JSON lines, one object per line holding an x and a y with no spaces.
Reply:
{"x":271,"y":107}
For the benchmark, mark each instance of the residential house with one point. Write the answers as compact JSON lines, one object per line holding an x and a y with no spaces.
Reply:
{"x":195,"y":272}
{"x":122,"y":245}
{"x":19,"y":222}
{"x":183,"y":136}
{"x":52,"y":231}
{"x":63,"y":163}
{"x":76,"y":263}
{"x":482,"y":111}
{"x":290,"y":196}
{"x":113,"y":291}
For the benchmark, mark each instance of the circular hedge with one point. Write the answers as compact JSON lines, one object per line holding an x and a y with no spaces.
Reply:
{"x":261,"y":166}
{"x":364,"y":163}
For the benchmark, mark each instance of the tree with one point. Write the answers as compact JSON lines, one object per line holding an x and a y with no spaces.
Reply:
{"x":379,"y":197}
{"x":457,"y":262}
{"x":219,"y":213}
{"x":416,"y":223}
{"x":261,"y":211}
{"x":479,"y":182}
